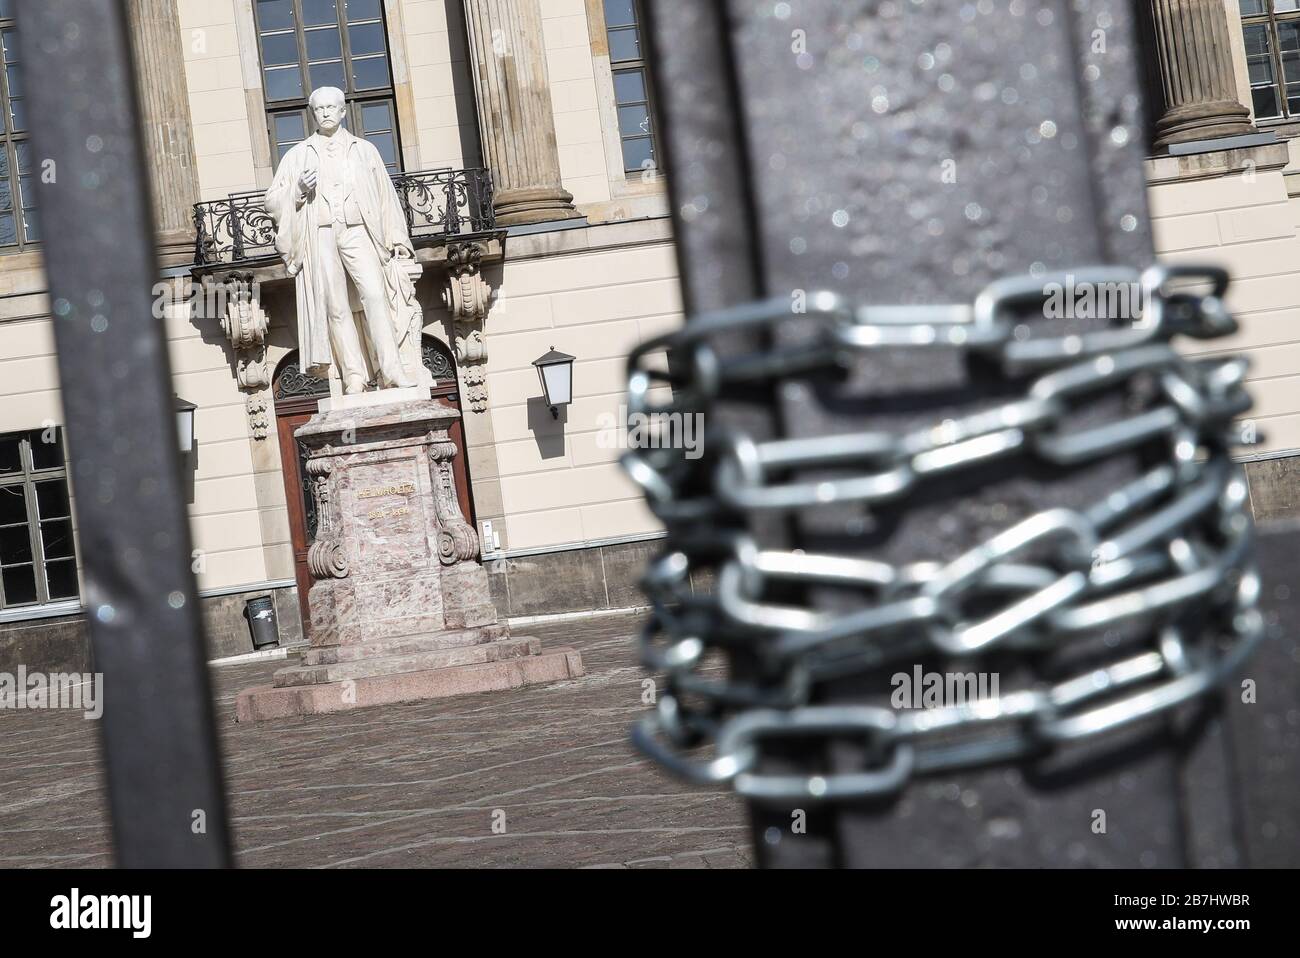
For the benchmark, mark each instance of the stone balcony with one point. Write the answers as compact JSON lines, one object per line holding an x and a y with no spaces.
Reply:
{"x":444,"y":208}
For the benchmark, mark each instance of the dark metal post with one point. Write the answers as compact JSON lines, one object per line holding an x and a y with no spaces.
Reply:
{"x":160,"y":747}
{"x":200,"y":234}
{"x":912,"y":154}
{"x":403,"y":184}
{"x":707,"y":154}
{"x":236,"y":229}
{"x":485,"y":217}
{"x":451,"y":226}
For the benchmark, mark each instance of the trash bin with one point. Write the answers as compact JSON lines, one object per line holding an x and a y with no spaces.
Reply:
{"x":260,"y":613}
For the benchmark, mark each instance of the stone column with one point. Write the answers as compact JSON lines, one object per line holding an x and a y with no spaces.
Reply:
{"x":165,"y":111}
{"x":1193,"y":65}
{"x":514,"y":109}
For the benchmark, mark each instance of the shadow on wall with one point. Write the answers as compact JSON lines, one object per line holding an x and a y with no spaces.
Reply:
{"x":462,"y":83}
{"x":546,"y":429}
{"x":189,"y":472}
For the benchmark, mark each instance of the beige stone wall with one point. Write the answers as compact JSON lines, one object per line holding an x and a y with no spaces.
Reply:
{"x":29,"y":374}
{"x":219,"y":108}
{"x":29,"y":380}
{"x":578,"y":133}
{"x":558,"y":485}
{"x":224,"y":516}
{"x":225,"y":521}
{"x":1232,"y":209}
{"x":442,"y":87}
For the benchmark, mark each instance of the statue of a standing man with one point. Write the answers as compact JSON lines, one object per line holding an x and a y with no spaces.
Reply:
{"x":337,"y":218}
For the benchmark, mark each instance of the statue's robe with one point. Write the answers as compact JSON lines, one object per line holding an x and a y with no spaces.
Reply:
{"x":297,"y":219}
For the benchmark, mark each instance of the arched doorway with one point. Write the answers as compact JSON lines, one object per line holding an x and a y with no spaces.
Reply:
{"x":296,"y":395}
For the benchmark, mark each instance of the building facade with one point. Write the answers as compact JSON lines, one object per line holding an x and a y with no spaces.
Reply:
{"x":521,"y":139}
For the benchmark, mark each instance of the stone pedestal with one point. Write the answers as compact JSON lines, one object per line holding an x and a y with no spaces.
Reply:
{"x":400,"y":608}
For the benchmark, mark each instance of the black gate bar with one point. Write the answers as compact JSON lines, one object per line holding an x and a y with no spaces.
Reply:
{"x":160,"y":746}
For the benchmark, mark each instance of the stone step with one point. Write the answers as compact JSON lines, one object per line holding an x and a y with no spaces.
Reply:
{"x":332,"y":654}
{"x":410,"y":662}
{"x":554,"y":665}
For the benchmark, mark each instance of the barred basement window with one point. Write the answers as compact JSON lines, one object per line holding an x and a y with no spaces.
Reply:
{"x":1271,"y":29}
{"x":18,"y":227}
{"x":632,"y":92}
{"x":37,"y":559}
{"x":307,"y":44}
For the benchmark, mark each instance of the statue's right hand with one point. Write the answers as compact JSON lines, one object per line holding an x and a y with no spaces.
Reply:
{"x":307,"y":182}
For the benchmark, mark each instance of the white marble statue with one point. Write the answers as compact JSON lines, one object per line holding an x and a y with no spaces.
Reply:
{"x":340,"y":229}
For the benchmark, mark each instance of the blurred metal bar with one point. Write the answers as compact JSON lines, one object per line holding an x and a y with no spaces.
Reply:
{"x":1261,"y":738}
{"x":160,"y":746}
{"x":911,"y":154}
{"x":703,"y":142}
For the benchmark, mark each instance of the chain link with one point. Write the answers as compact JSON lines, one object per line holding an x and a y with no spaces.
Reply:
{"x":1166,"y":556}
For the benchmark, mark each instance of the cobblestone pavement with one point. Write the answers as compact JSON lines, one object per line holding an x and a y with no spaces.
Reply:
{"x":406,"y":785}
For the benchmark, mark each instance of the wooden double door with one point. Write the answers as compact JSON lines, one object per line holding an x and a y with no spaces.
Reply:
{"x":296,"y":396}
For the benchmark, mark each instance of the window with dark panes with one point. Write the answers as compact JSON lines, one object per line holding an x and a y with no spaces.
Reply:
{"x":38,"y":563}
{"x":307,"y":44}
{"x":1271,"y":29}
{"x":18,"y":226}
{"x":632,"y":93}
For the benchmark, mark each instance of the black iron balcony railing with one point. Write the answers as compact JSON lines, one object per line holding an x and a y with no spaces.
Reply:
{"x":437,"y":203}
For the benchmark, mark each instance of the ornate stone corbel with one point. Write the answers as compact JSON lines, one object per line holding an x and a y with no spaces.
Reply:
{"x":259,"y":421}
{"x":457,"y":540}
{"x":326,"y":558}
{"x":471,"y":353}
{"x":470,"y":348}
{"x":245,"y":323}
{"x":466,"y":297}
{"x":467,"y":293}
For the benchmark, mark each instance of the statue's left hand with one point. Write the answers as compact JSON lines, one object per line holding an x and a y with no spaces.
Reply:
{"x":401,"y":252}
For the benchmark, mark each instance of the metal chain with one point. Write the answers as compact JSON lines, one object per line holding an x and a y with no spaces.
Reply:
{"x":1175,"y":541}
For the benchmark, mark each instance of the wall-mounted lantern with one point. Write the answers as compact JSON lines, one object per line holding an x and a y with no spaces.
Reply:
{"x":555,"y":370}
{"x":185,"y":423}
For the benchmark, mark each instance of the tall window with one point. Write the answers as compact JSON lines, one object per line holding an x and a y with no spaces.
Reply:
{"x":37,"y":561}
{"x":1272,"y":33}
{"x":631,"y":85}
{"x":307,"y":44}
{"x":18,"y":227}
